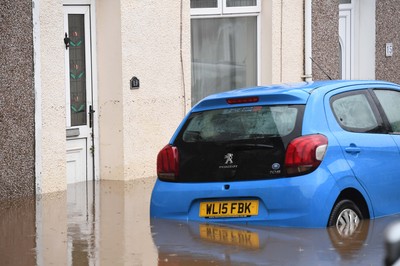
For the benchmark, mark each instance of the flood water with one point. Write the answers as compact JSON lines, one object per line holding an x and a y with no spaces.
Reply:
{"x":107,"y":223}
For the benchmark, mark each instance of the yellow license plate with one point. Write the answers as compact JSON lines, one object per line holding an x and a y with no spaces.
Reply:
{"x":229,"y":236}
{"x":236,"y":208}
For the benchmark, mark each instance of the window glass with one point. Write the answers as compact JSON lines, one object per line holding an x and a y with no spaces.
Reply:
{"x":224,"y":54}
{"x":354,"y":113}
{"x":235,"y":3}
{"x":244,"y":123}
{"x":241,"y":143}
{"x":203,"y":3}
{"x":390,"y":101}
{"x":345,"y":2}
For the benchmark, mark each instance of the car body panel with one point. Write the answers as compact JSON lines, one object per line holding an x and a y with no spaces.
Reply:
{"x":371,"y":161}
{"x":275,"y":206}
{"x":305,"y":200}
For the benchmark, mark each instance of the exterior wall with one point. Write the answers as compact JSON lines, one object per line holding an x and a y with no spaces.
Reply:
{"x":109,"y":58}
{"x":50,"y":91}
{"x":325,"y":39}
{"x":17,"y":102}
{"x":152,"y":44}
{"x":292,"y":17}
{"x":365,"y":28}
{"x":282,"y":41}
{"x":387,"y":21}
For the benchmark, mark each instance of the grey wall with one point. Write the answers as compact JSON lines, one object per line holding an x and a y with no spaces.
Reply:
{"x":325,"y":38}
{"x":388,"y":31}
{"x":17,"y":156}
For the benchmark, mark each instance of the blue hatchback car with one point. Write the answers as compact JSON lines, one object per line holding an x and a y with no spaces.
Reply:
{"x":324,"y":153}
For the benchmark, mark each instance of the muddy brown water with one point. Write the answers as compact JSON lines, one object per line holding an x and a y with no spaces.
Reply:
{"x":107,"y":223}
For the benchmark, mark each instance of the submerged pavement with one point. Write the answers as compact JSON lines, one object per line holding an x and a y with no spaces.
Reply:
{"x":107,"y":223}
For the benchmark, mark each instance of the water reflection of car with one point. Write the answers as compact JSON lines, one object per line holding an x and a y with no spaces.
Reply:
{"x":306,"y":155}
{"x":193,"y":243}
{"x":392,"y":244}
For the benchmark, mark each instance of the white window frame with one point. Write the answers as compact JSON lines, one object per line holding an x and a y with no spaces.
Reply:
{"x":222,"y":9}
{"x":241,"y":9}
{"x":199,"y":13}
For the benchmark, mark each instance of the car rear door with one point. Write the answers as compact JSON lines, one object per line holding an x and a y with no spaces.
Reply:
{"x":371,"y":152}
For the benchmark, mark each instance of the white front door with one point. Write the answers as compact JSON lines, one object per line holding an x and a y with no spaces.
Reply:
{"x":79,"y":94}
{"x":346,"y":40}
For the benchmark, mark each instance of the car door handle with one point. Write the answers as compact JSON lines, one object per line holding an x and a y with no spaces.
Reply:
{"x":353,"y":149}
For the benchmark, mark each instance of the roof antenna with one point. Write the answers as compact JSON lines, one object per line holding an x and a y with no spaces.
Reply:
{"x":320,"y":68}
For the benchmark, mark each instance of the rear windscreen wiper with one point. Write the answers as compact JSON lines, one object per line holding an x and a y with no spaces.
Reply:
{"x":250,"y":146}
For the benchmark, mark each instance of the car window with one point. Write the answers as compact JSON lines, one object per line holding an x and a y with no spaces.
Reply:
{"x":241,"y":123}
{"x":237,"y":143}
{"x":354,"y":113}
{"x":390,"y":102}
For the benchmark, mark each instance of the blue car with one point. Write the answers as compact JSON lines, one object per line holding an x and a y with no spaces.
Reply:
{"x":318,"y":154}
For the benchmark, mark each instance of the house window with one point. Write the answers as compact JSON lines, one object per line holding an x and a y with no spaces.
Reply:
{"x":224,"y":38}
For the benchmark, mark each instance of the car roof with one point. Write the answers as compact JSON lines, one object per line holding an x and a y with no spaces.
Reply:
{"x":293,"y":93}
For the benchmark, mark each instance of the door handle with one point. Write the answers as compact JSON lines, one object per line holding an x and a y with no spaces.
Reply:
{"x":66,"y":41}
{"x":352,"y":149}
{"x":91,"y":111}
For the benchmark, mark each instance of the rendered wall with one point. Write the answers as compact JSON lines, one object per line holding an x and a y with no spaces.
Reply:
{"x":50,"y":93}
{"x":17,"y":105}
{"x":153,"y":44}
{"x":109,"y":59}
{"x":387,"y":31}
{"x":282,"y":41}
{"x":156,"y":49}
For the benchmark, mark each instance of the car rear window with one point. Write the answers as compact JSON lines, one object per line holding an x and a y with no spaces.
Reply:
{"x":241,"y":143}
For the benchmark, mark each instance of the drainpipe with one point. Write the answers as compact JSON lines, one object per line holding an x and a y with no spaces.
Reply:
{"x":307,"y":40}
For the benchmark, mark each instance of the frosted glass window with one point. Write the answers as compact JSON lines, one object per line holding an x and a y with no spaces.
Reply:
{"x":203,"y":3}
{"x":224,"y":54}
{"x":236,"y":3}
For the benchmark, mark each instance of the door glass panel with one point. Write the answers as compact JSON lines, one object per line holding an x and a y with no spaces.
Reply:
{"x":77,"y":77}
{"x":390,"y":101}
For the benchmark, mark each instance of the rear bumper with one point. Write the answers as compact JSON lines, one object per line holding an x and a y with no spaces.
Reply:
{"x":303,"y":201}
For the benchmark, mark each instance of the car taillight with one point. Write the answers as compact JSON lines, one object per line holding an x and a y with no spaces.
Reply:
{"x":168,"y":163}
{"x":304,"y":154}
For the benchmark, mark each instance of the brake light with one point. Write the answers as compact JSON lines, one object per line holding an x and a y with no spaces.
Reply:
{"x":242,"y":100}
{"x":304,"y":154}
{"x":168,"y":163}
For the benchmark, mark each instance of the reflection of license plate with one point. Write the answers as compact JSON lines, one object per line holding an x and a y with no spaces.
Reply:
{"x":237,"y":208}
{"x":229,"y":236}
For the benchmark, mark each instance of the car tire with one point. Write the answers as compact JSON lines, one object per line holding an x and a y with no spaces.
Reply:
{"x":346,"y":216}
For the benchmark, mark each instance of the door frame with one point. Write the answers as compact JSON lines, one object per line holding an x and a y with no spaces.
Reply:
{"x":94,"y":84}
{"x":346,"y":42}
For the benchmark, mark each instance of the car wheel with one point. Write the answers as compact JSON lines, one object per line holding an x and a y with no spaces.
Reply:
{"x":346,"y":216}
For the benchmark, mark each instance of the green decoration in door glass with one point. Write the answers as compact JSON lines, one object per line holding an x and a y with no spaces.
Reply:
{"x":73,"y":76}
{"x":78,"y":110}
{"x":71,"y":43}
